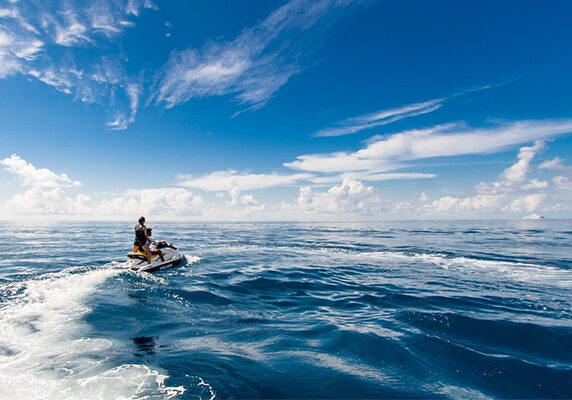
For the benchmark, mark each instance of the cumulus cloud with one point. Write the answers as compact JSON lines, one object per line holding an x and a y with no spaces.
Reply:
{"x":39,"y":200}
{"x":535,"y":184}
{"x":162,"y":201}
{"x":350,"y":197}
{"x":251,"y":67}
{"x":517,"y":173}
{"x":515,"y":177}
{"x":46,"y":195}
{"x":448,"y":204}
{"x":228,"y":180}
{"x":246,"y":201}
{"x":29,"y":175}
{"x":506,"y":194}
{"x":528,"y":203}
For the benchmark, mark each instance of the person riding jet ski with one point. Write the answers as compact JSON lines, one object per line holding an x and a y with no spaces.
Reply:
{"x":162,"y":254}
{"x":140,"y":244}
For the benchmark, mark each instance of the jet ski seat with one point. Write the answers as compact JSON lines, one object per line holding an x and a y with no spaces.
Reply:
{"x":138,"y":255}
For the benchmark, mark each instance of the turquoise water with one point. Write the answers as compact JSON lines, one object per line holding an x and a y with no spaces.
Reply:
{"x":387,"y":310}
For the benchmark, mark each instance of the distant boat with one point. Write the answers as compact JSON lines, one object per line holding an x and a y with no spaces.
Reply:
{"x":533,"y":216}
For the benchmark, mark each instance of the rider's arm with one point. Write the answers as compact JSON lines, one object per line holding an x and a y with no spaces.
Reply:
{"x":147,"y":236}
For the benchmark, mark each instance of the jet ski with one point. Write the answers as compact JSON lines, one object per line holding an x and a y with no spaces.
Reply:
{"x":137,"y":261}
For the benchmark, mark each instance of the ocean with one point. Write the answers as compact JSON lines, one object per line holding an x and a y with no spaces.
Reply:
{"x":433,"y":309}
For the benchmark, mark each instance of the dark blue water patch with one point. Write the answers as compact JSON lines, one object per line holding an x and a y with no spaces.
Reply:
{"x":495,"y":375}
{"x":266,"y":285}
{"x":146,"y":345}
{"x":530,"y":342}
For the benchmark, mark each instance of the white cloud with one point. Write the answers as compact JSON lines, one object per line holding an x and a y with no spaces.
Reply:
{"x":506,"y":194}
{"x":517,"y":173}
{"x":29,"y":175}
{"x":350,"y":197}
{"x":16,"y":51}
{"x":556,"y":164}
{"x":120,"y":120}
{"x":71,"y":34}
{"x":388,"y":116}
{"x":449,"y":204}
{"x":227,"y":180}
{"x":38,"y":200}
{"x":527,"y":203}
{"x":535,"y":184}
{"x":134,"y":6}
{"x":28,"y":50}
{"x":515,"y":178}
{"x":563,"y":182}
{"x":162,"y":201}
{"x":133,"y":91}
{"x":31,"y":33}
{"x":119,"y":123}
{"x":8,"y":13}
{"x":384,"y":153}
{"x":247,"y":201}
{"x":383,"y":117}
{"x":253,"y":66}
{"x":369,"y":177}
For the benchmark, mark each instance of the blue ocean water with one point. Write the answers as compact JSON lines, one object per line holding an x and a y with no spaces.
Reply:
{"x":465,"y":309}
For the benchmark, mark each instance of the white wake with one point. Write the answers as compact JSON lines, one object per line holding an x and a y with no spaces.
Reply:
{"x":45,"y":347}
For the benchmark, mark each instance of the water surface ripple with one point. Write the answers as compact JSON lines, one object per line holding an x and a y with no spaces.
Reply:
{"x":452,"y":309}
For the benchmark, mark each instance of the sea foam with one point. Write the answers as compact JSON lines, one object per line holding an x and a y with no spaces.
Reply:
{"x":46,"y":350}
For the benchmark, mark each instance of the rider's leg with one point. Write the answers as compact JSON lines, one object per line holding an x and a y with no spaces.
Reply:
{"x":147,"y":252}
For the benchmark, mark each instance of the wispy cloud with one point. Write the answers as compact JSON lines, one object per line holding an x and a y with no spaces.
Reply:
{"x":387,"y":116}
{"x":386,"y":153}
{"x":370,"y":177}
{"x":32,"y":42}
{"x":382,"y":117}
{"x":251,"y":67}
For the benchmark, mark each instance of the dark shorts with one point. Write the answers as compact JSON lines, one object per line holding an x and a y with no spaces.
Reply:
{"x":139,"y":245}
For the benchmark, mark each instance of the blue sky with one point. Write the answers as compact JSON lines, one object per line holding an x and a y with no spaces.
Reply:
{"x":285,"y":110}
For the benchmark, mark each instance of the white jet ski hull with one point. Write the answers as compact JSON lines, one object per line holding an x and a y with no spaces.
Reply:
{"x":138,"y":261}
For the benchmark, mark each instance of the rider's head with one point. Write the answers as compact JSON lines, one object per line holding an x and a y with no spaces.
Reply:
{"x":141,"y":220}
